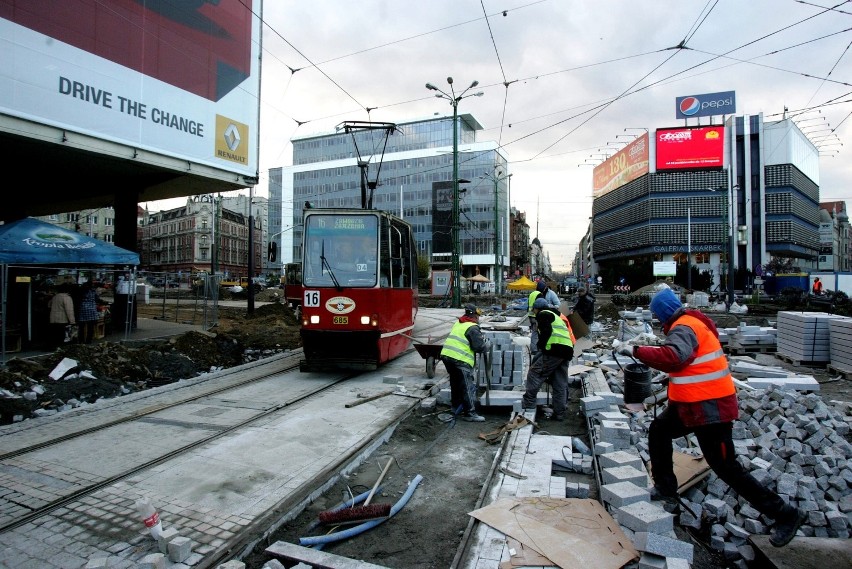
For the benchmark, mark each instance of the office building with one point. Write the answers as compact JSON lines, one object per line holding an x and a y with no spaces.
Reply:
{"x":725,"y":198}
{"x":407,"y":170}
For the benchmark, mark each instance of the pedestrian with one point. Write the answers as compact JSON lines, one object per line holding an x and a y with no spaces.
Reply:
{"x":87,"y":314}
{"x":817,"y":288}
{"x":585,"y":306}
{"x":459,"y":356}
{"x":60,"y":314}
{"x":702,"y":400}
{"x":557,"y":348}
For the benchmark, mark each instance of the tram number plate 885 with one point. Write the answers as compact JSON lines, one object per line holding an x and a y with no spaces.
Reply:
{"x":340,"y":320}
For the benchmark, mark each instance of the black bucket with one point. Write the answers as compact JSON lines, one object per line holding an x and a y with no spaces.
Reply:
{"x":637,"y":383}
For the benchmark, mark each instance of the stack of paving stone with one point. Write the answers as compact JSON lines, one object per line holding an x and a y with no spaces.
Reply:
{"x":752,"y":338}
{"x":803,"y":337}
{"x":507,"y":361}
{"x":759,"y":376}
{"x":625,"y":481}
{"x":840,"y":348}
{"x":795,"y":444}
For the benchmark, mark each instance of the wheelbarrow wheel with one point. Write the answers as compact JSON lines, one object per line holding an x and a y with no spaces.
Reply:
{"x":430,"y":367}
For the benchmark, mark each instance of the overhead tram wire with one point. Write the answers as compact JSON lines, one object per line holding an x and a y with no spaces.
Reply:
{"x":830,"y":71}
{"x":624,"y":94}
{"x":697,"y":24}
{"x":542,"y":75}
{"x":424,"y":34}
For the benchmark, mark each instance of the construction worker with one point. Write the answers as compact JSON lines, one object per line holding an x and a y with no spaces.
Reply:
{"x":817,"y":288}
{"x":531,"y":316}
{"x":459,"y":356}
{"x":585,"y":306}
{"x":557,"y":348}
{"x":702,"y":400}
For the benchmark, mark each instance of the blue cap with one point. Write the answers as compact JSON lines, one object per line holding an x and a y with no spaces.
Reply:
{"x":541,"y":286}
{"x":540,"y":304}
{"x":664,"y":304}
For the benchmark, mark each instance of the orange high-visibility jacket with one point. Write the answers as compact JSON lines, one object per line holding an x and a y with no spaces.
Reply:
{"x":570,"y":330}
{"x":708,"y":376}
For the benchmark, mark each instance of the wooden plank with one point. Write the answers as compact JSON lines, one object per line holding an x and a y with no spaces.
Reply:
{"x":316,"y":557}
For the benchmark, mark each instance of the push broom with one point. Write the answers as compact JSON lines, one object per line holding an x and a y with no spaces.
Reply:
{"x":357,"y":514}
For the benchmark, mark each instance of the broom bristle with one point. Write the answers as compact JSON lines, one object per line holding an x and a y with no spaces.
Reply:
{"x":356,"y":513}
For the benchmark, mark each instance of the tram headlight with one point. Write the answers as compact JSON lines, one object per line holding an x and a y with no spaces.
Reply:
{"x":365,"y":320}
{"x":314,"y":318}
{"x":374,"y":320}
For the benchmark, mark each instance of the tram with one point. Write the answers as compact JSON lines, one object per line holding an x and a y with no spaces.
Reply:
{"x":359,"y":288}
{"x":291,"y":282}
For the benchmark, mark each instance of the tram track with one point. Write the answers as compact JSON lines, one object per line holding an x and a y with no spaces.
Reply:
{"x":22,"y":509}
{"x":89,"y":465}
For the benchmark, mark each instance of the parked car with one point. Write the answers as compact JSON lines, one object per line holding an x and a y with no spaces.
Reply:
{"x":161,"y":282}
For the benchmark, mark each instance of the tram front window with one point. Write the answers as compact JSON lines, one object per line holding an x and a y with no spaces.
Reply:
{"x":348,"y":247}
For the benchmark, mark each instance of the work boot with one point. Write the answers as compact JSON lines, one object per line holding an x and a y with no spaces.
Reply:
{"x":786,"y":525}
{"x":669,"y":500}
{"x":472,"y":417}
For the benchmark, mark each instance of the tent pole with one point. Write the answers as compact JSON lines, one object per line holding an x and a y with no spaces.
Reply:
{"x":4,"y":274}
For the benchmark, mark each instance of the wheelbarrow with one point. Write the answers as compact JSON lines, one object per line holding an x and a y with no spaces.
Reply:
{"x":430,"y":353}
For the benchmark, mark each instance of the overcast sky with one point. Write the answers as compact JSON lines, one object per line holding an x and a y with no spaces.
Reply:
{"x":581,"y":76}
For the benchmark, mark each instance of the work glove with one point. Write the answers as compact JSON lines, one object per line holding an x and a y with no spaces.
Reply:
{"x":622,"y":348}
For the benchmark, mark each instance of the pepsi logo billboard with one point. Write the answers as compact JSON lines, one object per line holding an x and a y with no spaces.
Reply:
{"x":708,"y":104}
{"x":698,"y":147}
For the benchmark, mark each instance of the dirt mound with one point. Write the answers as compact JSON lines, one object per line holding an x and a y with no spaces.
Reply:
{"x":270,"y":327}
{"x":109,"y":369}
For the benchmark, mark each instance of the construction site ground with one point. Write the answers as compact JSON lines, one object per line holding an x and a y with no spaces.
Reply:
{"x":450,"y":456}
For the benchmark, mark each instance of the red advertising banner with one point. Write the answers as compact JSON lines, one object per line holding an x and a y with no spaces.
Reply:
{"x":681,"y":148}
{"x":625,"y":165}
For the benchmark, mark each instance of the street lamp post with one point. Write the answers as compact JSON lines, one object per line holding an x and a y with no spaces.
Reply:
{"x":728,"y":243}
{"x":689,"y":248}
{"x":454,"y":102}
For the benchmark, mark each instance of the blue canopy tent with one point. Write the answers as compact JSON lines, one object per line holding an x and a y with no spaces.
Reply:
{"x":30,"y":242}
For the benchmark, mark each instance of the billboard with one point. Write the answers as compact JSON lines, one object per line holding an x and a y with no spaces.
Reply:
{"x":697,"y":147}
{"x":665,"y":268}
{"x":442,"y":217}
{"x":175,"y":78}
{"x":625,"y":165}
{"x":706,"y":105}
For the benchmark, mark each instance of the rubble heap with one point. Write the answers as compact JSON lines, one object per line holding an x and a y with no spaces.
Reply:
{"x":793,"y":442}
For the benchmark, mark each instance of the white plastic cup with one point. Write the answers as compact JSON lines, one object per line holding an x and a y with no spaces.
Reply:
{"x":150,"y":517}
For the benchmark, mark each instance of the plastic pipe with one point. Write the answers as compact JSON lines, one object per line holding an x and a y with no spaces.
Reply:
{"x":353,"y":531}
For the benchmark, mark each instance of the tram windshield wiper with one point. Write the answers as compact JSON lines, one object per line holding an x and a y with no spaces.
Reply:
{"x":327,"y":266}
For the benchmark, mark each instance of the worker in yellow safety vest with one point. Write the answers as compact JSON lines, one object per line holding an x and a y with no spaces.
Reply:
{"x":459,"y":356}
{"x":557,"y":348}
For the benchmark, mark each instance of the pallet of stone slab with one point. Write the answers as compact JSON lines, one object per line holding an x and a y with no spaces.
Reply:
{"x":804,"y":336}
{"x":844,"y":371}
{"x":800,"y":362}
{"x":840,"y":346}
{"x":752,"y":349}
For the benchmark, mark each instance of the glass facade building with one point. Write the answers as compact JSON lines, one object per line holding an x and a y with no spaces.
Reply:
{"x":407,"y":173}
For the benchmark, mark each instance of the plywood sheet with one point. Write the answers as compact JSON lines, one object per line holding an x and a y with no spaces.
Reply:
{"x":569,"y":532}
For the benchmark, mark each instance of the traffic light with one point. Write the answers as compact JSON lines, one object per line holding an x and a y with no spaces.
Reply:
{"x":272,"y":251}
